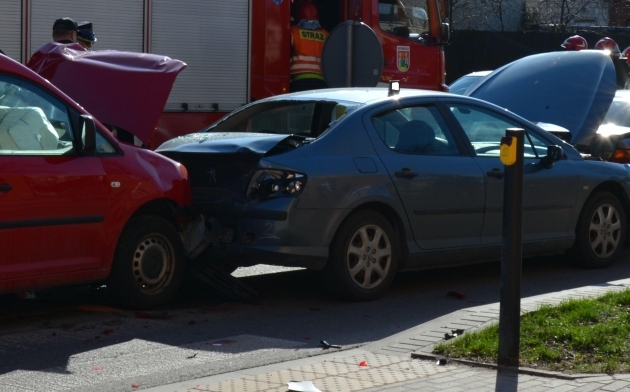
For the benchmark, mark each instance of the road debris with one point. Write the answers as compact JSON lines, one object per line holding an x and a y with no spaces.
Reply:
{"x":454,"y":333}
{"x":328,"y":345}
{"x":456,"y":294}
{"x":363,"y":364}
{"x":302,"y":386}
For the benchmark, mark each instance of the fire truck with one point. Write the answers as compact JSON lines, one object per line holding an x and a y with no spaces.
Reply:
{"x":237,"y":51}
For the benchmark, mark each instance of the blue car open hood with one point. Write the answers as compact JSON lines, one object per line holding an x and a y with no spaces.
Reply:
{"x":571,"y":89}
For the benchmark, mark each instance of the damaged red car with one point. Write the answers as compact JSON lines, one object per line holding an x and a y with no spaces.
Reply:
{"x":76,"y":205}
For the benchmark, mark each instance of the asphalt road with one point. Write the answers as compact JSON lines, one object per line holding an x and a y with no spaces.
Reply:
{"x":74,"y":339}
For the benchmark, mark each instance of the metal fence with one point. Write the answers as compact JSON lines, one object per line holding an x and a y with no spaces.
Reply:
{"x":474,"y":50}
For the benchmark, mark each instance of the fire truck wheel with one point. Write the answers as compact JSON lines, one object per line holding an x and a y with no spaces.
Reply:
{"x":148,"y":265}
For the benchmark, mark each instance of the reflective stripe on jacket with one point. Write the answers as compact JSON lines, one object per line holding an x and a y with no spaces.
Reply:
{"x":307,"y":50}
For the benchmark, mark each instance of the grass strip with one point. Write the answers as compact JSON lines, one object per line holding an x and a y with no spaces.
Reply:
{"x":577,"y":336}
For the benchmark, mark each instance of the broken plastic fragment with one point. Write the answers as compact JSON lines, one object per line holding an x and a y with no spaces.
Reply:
{"x":27,"y":295}
{"x":224,"y":341}
{"x":302,"y":386}
{"x":363,"y":364}
{"x":455,"y":294}
{"x":328,"y":345}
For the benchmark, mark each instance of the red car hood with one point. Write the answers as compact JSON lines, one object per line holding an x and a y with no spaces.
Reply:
{"x":125,"y":89}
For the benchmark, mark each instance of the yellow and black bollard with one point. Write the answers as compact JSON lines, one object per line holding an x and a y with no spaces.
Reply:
{"x":511,"y":253}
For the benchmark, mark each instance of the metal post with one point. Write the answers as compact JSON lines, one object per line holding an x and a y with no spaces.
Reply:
{"x":511,"y":255}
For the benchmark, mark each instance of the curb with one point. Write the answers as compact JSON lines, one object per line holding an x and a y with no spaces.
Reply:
{"x":507,"y":369}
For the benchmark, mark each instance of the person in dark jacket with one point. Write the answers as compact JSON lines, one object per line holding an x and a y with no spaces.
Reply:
{"x":65,"y":31}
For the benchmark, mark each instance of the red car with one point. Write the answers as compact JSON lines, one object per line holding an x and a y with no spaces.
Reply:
{"x":78,"y":206}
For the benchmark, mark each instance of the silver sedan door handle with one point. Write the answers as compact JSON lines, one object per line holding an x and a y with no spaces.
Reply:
{"x":495,"y":173}
{"x":405,"y":173}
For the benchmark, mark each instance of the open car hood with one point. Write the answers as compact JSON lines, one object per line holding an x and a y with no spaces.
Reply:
{"x":571,"y":89}
{"x":125,"y":89}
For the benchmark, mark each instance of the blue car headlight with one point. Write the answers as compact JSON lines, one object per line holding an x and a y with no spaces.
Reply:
{"x":266,"y":183}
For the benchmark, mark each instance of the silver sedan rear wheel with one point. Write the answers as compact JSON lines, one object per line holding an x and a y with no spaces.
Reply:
{"x":364,"y":257}
{"x":369,"y":256}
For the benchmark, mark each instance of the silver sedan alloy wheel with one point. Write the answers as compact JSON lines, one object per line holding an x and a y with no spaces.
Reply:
{"x":604,"y":231}
{"x":369,"y":256}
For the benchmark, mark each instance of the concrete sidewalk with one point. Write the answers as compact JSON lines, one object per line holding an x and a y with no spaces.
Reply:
{"x":404,"y":362}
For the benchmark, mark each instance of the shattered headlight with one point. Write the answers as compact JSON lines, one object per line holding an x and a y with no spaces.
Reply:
{"x":267,"y":183}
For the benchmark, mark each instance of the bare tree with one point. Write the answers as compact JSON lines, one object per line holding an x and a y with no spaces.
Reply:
{"x":506,"y":12}
{"x":564,"y":14}
{"x":494,"y":15}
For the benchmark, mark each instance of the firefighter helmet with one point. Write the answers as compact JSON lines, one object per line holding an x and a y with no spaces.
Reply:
{"x":608,"y":44}
{"x":307,"y":11}
{"x":575,"y":42}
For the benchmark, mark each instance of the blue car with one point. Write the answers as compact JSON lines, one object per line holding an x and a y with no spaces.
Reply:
{"x":361,"y":183}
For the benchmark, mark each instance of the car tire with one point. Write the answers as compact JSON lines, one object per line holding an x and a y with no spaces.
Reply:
{"x":148,"y":265}
{"x":601,"y":231}
{"x":349,"y":272}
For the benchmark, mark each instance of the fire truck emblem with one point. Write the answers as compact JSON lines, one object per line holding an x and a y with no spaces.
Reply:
{"x":403,"y":56}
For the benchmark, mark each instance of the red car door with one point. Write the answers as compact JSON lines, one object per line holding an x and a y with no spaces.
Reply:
{"x":52,"y":201}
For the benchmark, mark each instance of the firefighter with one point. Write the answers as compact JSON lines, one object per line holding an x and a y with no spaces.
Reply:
{"x":307,"y":43}
{"x":64,"y":32}
{"x":85,"y":35}
{"x":608,"y":44}
{"x":575,"y":42}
